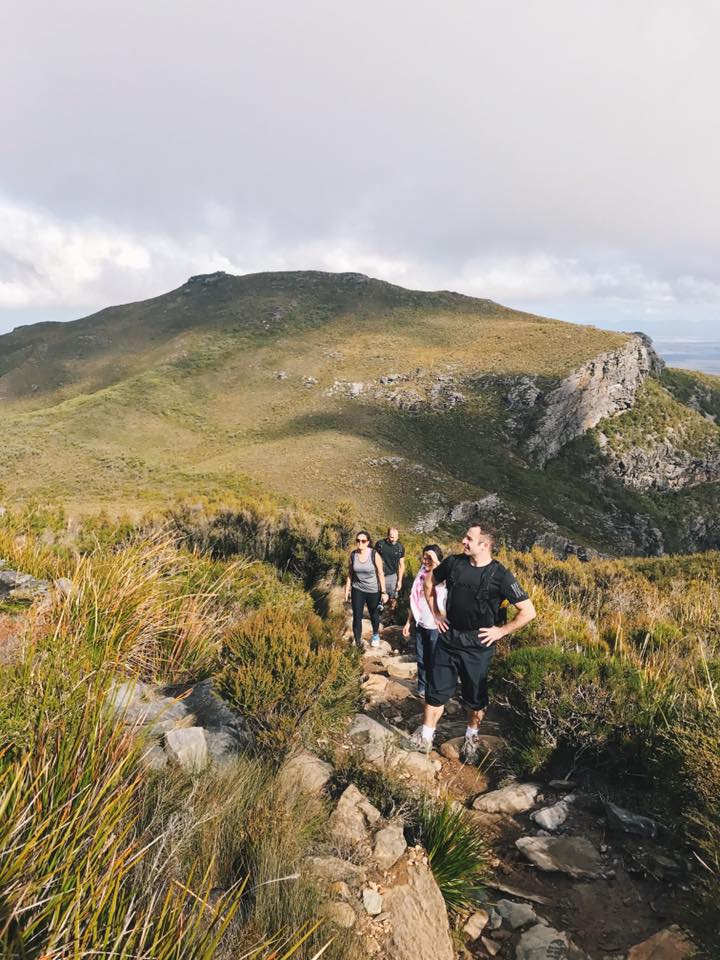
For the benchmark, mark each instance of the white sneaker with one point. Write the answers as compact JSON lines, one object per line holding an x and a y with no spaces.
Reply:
{"x":375,"y":640}
{"x":416,"y":742}
{"x":472,"y":750}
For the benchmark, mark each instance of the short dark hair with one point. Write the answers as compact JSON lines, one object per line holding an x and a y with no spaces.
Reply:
{"x":435,"y":549}
{"x":485,"y":529}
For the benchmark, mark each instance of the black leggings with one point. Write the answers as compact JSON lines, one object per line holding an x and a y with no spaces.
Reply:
{"x":358,"y":599}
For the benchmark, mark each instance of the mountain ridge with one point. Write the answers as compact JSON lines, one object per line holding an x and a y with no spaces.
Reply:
{"x":333,"y":387}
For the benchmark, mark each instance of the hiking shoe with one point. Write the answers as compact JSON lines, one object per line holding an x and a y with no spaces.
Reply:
{"x":416,"y":743}
{"x":472,"y":750}
{"x":375,"y":640}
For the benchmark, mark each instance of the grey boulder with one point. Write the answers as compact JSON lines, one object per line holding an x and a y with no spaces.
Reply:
{"x":516,"y":914}
{"x":352,"y":817}
{"x":626,"y":822}
{"x":187,"y":747}
{"x":306,"y":773}
{"x":390,"y":845}
{"x":515,"y":798}
{"x":550,"y":818}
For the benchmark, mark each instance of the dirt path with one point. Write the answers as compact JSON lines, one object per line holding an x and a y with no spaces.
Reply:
{"x":641,"y":889}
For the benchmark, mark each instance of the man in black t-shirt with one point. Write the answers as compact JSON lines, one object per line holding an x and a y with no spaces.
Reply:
{"x":479,"y":591}
{"x":392,"y":554}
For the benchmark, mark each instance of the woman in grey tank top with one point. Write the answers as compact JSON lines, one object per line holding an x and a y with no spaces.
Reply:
{"x":365,"y":586}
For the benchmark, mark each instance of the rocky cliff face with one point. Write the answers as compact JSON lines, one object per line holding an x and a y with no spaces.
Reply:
{"x":662,"y":465}
{"x":603,"y":387}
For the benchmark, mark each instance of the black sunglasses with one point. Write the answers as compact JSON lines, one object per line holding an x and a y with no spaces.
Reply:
{"x":361,"y":540}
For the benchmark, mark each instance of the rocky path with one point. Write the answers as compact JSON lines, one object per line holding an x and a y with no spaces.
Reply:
{"x":574,"y":876}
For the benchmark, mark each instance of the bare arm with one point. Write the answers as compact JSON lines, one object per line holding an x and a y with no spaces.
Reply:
{"x":429,"y":585}
{"x":348,"y":581}
{"x":525,"y":613}
{"x":401,"y":572}
{"x":380,"y":573}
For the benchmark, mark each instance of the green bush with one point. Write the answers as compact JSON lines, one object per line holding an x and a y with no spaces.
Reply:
{"x":686,"y":767}
{"x":456,"y":852}
{"x":293,"y":540}
{"x":570,"y":705}
{"x":286,"y":673}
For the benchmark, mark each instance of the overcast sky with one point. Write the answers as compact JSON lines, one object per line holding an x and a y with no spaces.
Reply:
{"x":556,"y":155}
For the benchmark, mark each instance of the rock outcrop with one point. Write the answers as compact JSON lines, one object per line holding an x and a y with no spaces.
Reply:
{"x":189,"y":730}
{"x":662,"y":463}
{"x":602,"y":387}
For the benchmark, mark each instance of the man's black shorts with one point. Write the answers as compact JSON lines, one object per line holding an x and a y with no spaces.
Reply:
{"x":459,"y":653}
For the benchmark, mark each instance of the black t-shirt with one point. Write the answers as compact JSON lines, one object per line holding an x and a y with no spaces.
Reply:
{"x":476,"y":594}
{"x":391,"y":554}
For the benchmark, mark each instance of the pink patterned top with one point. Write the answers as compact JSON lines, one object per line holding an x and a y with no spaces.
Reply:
{"x":419,"y":605}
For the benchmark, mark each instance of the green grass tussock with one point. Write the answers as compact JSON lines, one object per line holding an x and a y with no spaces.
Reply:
{"x":619,"y":677}
{"x":95,"y":855}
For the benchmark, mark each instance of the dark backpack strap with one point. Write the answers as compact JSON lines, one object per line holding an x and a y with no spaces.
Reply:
{"x":449,"y":581}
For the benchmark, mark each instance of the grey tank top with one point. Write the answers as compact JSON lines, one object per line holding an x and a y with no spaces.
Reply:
{"x":364,"y":573}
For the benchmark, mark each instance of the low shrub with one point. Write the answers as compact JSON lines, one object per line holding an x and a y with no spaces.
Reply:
{"x":290,"y":677}
{"x":686,"y":766}
{"x":569,"y":705}
{"x":292,"y":539}
{"x":456,"y":852}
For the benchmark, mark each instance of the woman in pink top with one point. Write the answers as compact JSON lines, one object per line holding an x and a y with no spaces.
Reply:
{"x":420,"y":615}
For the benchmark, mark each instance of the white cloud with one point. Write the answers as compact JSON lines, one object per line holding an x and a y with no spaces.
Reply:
{"x":56,"y":264}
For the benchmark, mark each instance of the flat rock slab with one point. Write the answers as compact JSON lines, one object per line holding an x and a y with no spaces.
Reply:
{"x":21,"y":586}
{"x":374,"y":688}
{"x":515,"y":798}
{"x":341,"y":914}
{"x":545,"y":943}
{"x":451,"y":748}
{"x":574,"y":856}
{"x":379,"y":745}
{"x":418,"y":917}
{"x":476,"y":923}
{"x":400,"y":669}
{"x":384,"y":650}
{"x":668,"y":944}
{"x":372,"y":901}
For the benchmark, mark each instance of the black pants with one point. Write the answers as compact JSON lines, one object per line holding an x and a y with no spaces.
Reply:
{"x":358,"y":599}
{"x":459,"y":653}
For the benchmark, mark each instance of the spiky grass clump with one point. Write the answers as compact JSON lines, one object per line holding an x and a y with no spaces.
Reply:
{"x":70,"y":849}
{"x":85,"y":870}
{"x":456,"y":851}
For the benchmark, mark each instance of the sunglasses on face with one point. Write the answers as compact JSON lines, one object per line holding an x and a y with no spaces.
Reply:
{"x":360,"y":539}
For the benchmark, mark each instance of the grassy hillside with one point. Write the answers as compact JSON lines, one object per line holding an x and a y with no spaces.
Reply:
{"x":242,"y":383}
